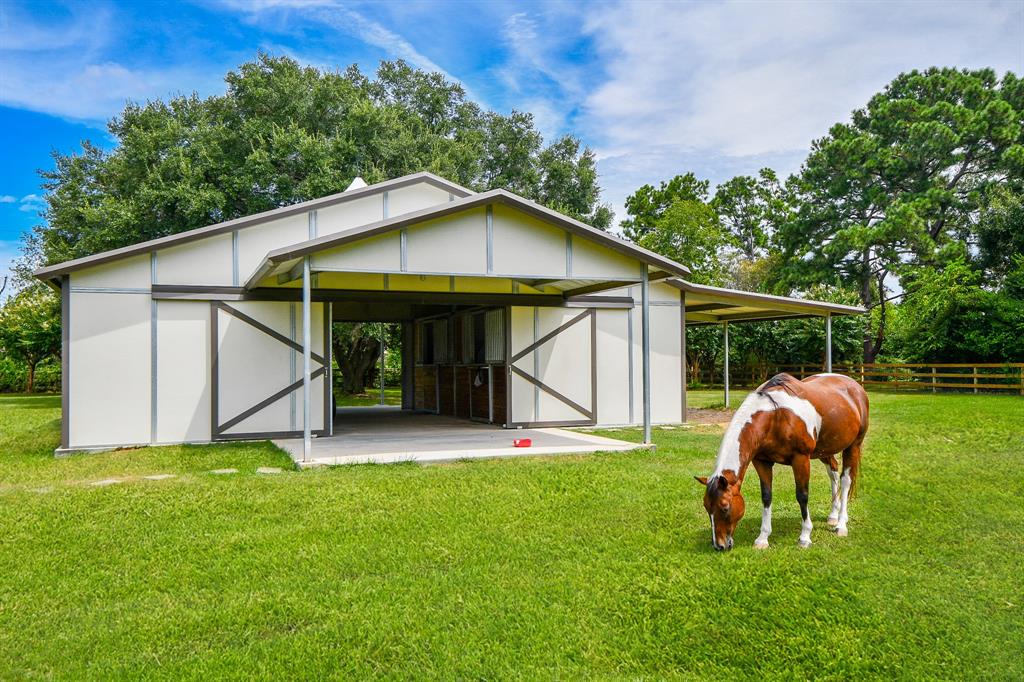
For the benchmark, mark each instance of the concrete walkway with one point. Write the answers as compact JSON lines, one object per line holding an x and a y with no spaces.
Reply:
{"x":383,"y":435}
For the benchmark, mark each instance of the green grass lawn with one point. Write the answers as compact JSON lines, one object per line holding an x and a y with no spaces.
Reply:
{"x":595,"y":566}
{"x":392,"y":396}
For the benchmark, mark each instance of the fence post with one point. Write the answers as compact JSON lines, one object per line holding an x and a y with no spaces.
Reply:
{"x":862,"y":372}
{"x":933,"y":380}
{"x":1021,"y":371}
{"x":803,"y":372}
{"x":974,"y":372}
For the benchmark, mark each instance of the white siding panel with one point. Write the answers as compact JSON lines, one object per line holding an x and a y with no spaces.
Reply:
{"x":593,"y":261}
{"x":612,"y":367}
{"x":414,"y":198}
{"x":526,"y":246}
{"x":127,"y":273}
{"x":110,"y":369}
{"x":454,"y":244}
{"x":565,"y":360}
{"x":255,"y":242}
{"x":349,"y":214}
{"x":183,"y":371}
{"x":665,"y":369}
{"x":206,"y":261}
{"x":376,"y":254}
{"x":522,"y":390}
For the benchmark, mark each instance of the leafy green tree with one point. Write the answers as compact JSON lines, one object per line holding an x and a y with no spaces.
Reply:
{"x":648,"y":204}
{"x":691,"y":233}
{"x":30,"y":330}
{"x":284,"y":133}
{"x":751,"y":208}
{"x":900,"y":186}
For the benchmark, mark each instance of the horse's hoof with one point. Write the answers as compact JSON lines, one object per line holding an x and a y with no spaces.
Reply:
{"x":842,"y":532}
{"x":761,"y":545}
{"x":832,"y":522}
{"x":804,"y":544}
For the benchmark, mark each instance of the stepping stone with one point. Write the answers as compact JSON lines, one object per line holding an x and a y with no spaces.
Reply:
{"x":269,"y":470}
{"x":159,"y":477}
{"x":105,"y":482}
{"x":224,"y":471}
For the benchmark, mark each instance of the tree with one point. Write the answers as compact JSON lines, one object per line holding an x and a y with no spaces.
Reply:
{"x":750,"y":209}
{"x":30,"y":329}
{"x":900,"y":186}
{"x":284,"y":133}
{"x":648,"y":204}
{"x":690,"y":232}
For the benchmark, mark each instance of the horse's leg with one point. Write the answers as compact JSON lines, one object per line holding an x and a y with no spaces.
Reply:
{"x":764,"y":473}
{"x":802,"y":476}
{"x":851,"y":464}
{"x":832,"y":466}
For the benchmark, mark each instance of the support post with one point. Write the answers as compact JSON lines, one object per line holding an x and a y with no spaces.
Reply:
{"x":383,"y":337}
{"x":685,"y":374}
{"x":645,"y":341}
{"x":307,"y":436}
{"x":828,"y":342}
{"x":725,"y":372}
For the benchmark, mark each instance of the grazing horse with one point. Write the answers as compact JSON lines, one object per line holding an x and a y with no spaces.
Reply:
{"x":786,"y":421}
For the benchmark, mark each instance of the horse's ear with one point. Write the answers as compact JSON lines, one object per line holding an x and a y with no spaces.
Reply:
{"x":723,"y":483}
{"x":703,"y":480}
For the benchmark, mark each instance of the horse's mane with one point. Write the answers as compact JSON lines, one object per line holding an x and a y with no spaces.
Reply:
{"x":781,"y":381}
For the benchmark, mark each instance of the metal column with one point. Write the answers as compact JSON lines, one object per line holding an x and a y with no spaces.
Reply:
{"x":383,"y":337}
{"x":828,"y":342}
{"x":725,"y":373}
{"x":645,"y":334}
{"x":307,"y":436}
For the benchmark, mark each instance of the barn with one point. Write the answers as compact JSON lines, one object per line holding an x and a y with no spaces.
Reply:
{"x":513,"y":316}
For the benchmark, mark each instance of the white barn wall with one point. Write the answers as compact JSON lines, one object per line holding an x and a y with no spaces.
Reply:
{"x":109,"y":367}
{"x":414,"y":198}
{"x":457,"y":244}
{"x":183,"y":371}
{"x":345,"y":216}
{"x":612,"y":366}
{"x":383,"y":253}
{"x":255,"y":242}
{"x":210,"y":259}
{"x":127,"y":273}
{"x":524,"y":245}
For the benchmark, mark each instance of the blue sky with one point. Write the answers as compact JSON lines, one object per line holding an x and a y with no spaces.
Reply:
{"x":656,"y":89}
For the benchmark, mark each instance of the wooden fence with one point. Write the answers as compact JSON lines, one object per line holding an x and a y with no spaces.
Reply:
{"x":977,"y":377}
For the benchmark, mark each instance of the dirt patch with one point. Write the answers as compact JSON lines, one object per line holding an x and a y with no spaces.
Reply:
{"x":700,"y":416}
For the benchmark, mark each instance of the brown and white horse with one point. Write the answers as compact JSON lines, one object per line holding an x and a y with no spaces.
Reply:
{"x":786,"y":421}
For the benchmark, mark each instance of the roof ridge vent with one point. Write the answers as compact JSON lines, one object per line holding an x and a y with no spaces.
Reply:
{"x":358,"y":183}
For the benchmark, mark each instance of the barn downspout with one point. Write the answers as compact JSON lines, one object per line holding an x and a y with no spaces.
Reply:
{"x":307,"y":437}
{"x":645,"y":332}
{"x":828,"y":342}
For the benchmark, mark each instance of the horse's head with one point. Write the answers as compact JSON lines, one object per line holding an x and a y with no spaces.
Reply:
{"x":724,"y":504}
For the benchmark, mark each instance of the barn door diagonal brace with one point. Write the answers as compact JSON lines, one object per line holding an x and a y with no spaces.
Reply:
{"x":589,"y":414}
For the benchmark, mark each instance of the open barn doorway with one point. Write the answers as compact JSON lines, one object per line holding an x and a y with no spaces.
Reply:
{"x":368,"y":364}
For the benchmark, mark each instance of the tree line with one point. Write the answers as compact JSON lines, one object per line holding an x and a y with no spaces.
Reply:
{"x":911,"y":208}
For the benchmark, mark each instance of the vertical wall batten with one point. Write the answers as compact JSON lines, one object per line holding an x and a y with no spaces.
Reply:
{"x":214,"y":373}
{"x":65,"y":361}
{"x":536,"y":363}
{"x":293,"y":370}
{"x":645,"y":341}
{"x":490,"y":239}
{"x":403,"y":236}
{"x":568,"y":255}
{"x":312,"y":224}
{"x":629,"y":346}
{"x":152,"y":355}
{"x":234,"y":258}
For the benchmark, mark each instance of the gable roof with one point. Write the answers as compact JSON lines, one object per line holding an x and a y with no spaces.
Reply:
{"x":52,"y":272}
{"x":712,"y":305}
{"x":496,"y":196}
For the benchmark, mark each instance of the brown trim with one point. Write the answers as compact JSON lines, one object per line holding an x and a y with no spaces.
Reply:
{"x":272,"y":333}
{"x":756,"y":317}
{"x":767,"y":301}
{"x":550,"y":335}
{"x":266,"y":435}
{"x":555,"y":394}
{"x":65,"y":362}
{"x":53,"y":271}
{"x":544,"y":425}
{"x":245,"y":414}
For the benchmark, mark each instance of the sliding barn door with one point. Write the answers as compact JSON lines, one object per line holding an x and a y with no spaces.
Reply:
{"x":553,"y":367}
{"x":256,"y":368}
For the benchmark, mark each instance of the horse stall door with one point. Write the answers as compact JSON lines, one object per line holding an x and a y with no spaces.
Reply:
{"x":256,"y":369}
{"x":553,"y":367}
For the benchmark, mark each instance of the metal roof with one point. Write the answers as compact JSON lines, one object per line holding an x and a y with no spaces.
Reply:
{"x":52,"y":272}
{"x":713,"y":305}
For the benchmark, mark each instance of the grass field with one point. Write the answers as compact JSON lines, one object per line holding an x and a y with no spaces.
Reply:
{"x":392,"y":396}
{"x":596,"y":566}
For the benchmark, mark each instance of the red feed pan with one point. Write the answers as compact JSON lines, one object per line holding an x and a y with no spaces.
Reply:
{"x":522,"y":442}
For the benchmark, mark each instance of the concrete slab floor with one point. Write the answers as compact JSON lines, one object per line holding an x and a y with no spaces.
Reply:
{"x":383,"y":435}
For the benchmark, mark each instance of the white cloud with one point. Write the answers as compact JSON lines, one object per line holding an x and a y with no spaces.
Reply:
{"x":704,"y":86}
{"x":7,"y":199}
{"x":32,"y":203}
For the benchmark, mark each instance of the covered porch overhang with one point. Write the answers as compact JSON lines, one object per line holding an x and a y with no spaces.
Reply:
{"x":707,"y":305}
